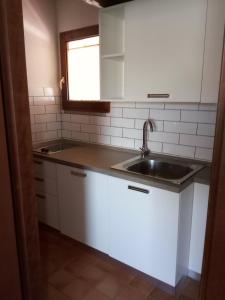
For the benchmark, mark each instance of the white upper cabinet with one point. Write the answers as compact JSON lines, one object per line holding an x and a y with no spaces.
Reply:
{"x":213,"y":51}
{"x":164,"y":50}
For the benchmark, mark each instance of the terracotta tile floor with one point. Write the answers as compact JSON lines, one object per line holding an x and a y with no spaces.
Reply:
{"x":72,"y":271}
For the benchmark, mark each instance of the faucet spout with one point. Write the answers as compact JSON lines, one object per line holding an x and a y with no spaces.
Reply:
{"x":144,"y":149}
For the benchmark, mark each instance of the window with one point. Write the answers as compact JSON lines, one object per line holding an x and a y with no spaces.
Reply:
{"x":80,"y":70}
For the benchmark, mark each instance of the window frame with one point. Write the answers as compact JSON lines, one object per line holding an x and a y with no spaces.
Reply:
{"x":83,"y":105}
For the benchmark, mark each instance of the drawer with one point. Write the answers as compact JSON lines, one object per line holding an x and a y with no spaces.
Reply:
{"x":44,"y":169}
{"x":46,"y":186}
{"x":48,"y":210}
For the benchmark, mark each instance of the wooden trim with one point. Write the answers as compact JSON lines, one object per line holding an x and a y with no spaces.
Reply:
{"x":10,"y":284}
{"x":15,"y":101}
{"x":67,"y":104}
{"x":213,"y":280}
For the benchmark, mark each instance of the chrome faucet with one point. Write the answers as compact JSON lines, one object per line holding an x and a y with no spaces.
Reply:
{"x":144,"y":149}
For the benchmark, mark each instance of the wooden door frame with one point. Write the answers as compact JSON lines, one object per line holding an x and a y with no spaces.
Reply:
{"x":213,"y":278}
{"x":15,"y":97}
{"x":19,"y":142}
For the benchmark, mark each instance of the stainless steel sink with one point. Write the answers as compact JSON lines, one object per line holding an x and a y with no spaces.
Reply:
{"x":165,"y":169}
{"x":54,"y":148}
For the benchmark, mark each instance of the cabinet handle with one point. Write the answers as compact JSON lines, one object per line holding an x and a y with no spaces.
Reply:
{"x":137,"y":189}
{"x":74,"y":173}
{"x":40,"y":196}
{"x":39,"y":179}
{"x":38,"y":162}
{"x":158,"y":95}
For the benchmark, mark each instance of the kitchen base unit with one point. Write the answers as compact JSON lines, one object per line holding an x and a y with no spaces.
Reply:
{"x":150,"y":229}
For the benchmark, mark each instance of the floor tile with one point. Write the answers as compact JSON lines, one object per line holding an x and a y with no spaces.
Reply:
{"x":50,"y":293}
{"x":110,"y":286}
{"x":144,"y":284}
{"x":60,"y":279}
{"x":95,"y":295}
{"x":130,"y":293}
{"x":77,"y":289}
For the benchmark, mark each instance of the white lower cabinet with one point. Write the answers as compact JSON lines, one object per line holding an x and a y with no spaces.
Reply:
{"x":83,"y":206}
{"x":146,"y":229}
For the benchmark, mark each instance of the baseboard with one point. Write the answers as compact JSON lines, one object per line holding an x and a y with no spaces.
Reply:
{"x":194,"y":275}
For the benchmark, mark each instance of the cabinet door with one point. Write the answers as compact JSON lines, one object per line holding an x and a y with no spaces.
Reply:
{"x":213,"y":51}
{"x":164,"y":49}
{"x":83,"y":206}
{"x":144,"y":228}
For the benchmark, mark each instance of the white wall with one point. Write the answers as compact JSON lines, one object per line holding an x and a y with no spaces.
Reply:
{"x":73,"y":14}
{"x":40,"y":31}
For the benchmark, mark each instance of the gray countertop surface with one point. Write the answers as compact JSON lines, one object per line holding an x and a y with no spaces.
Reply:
{"x":100,"y":159}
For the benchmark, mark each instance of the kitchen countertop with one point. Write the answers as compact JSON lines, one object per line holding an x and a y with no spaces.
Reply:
{"x":100,"y":159}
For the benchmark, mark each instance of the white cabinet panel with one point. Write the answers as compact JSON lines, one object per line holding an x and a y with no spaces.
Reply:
{"x":83,"y":206}
{"x":144,"y":228}
{"x":48,"y":210}
{"x":164,"y":49}
{"x":199,"y":218}
{"x":46,"y":192}
{"x":213,"y":51}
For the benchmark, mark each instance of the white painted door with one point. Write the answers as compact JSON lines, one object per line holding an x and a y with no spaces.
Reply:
{"x":144,"y":227}
{"x":83,"y":206}
{"x":164,"y":49}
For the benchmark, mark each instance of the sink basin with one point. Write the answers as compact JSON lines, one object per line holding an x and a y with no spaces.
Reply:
{"x":164,"y":169}
{"x":54,"y":148}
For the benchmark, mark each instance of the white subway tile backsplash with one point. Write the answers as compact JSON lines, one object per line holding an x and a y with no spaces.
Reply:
{"x":83,"y":119}
{"x":132,"y":133}
{"x":122,"y":142}
{"x":37,"y":109}
{"x":122,"y":122}
{"x":80,"y":136}
{"x":180,"y":127}
{"x":179,"y":150}
{"x":70,"y":126}
{"x":66,"y":134}
{"x":181,"y":106}
{"x":123,"y":104}
{"x":149,"y":105}
{"x":164,"y":137}
{"x":198,"y":116}
{"x":153,"y":146}
{"x":44,"y":100}
{"x":66,"y":117}
{"x":98,"y":120}
{"x":167,"y":115}
{"x":111,"y":131}
{"x":210,"y":107}
{"x":100,"y":139}
{"x":206,"y":129}
{"x":54,"y":126}
{"x":116,"y":112}
{"x":44,"y":118}
{"x":52,"y":109}
{"x":198,"y":141}
{"x":204,"y":154}
{"x":90,"y":128}
{"x":136,"y":113}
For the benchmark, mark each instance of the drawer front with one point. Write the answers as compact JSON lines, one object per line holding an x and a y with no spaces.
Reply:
{"x":48,"y":210}
{"x":44,"y":169}
{"x":46,"y":186}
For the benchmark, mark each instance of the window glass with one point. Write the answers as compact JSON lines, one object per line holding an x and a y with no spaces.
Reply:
{"x":83,"y":69}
